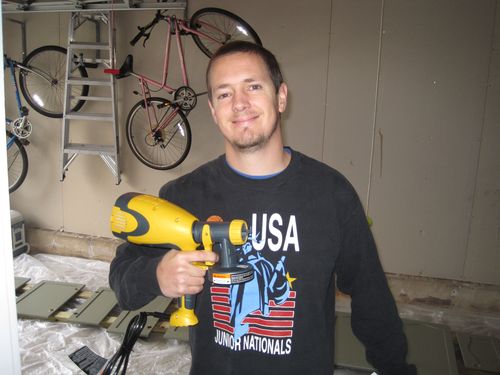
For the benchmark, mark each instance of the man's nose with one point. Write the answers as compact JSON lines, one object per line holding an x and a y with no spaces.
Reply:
{"x":240,"y":101}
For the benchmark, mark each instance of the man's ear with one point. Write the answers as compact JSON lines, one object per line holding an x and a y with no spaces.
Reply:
{"x":282,"y":97}
{"x":212,"y":110}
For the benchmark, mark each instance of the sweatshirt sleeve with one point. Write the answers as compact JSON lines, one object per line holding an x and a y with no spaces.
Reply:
{"x":374,"y":317}
{"x":132,"y":275}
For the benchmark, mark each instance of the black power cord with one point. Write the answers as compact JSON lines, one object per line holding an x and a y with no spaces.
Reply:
{"x":117,"y":365}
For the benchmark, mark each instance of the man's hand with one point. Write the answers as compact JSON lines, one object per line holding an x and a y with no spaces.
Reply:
{"x":176,"y":274}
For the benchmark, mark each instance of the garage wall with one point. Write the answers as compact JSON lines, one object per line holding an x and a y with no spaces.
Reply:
{"x":435,"y":65}
{"x":400,"y":96}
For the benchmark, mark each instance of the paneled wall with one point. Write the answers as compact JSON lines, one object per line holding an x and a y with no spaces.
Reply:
{"x":412,"y":119}
{"x":401,"y":96}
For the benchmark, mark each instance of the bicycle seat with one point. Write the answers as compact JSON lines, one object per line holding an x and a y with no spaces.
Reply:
{"x":125,"y":69}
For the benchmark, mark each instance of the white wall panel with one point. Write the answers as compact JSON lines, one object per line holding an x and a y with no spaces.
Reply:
{"x":432,"y":90}
{"x":483,"y":247}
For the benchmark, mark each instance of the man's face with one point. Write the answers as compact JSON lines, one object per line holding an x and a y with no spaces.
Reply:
{"x":244,"y":102}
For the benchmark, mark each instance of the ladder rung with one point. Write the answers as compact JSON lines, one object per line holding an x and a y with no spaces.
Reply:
{"x":92,"y":61}
{"x":89,"y":81}
{"x":94,"y":98}
{"x":89,"y":45}
{"x":89,"y":116}
{"x":84,"y":148}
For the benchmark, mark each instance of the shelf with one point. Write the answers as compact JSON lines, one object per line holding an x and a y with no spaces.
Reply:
{"x":25,"y":6}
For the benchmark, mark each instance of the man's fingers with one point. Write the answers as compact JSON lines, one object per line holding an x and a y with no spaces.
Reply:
{"x":194,"y":285}
{"x":200,"y":256}
{"x":178,"y":274}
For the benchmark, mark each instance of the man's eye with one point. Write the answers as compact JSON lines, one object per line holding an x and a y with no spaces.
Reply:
{"x":223,"y":95}
{"x":255,"y":87}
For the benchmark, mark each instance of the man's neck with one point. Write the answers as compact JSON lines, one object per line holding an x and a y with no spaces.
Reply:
{"x":263,"y":162}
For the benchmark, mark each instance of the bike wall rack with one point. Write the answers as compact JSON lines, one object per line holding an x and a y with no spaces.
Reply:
{"x":22,"y":6}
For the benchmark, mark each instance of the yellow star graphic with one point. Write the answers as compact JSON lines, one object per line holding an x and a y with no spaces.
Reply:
{"x":290,"y":279}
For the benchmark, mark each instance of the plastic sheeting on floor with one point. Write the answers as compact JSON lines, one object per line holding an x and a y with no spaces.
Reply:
{"x":45,"y":346}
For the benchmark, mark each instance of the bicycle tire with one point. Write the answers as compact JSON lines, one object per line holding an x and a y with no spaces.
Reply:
{"x":161,"y":150}
{"x":47,"y":98}
{"x":17,"y":162}
{"x":222,"y":26}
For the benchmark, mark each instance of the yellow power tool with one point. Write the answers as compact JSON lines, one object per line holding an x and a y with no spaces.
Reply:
{"x":148,"y":220}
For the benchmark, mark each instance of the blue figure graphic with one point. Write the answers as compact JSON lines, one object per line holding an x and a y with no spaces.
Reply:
{"x":269,"y":283}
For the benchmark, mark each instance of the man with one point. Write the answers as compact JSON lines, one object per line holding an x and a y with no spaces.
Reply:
{"x":309,"y":235}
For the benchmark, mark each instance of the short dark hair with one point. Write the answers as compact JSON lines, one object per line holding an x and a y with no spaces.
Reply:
{"x":240,"y":46}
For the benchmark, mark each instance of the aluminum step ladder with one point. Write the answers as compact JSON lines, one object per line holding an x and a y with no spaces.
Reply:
{"x":83,"y":52}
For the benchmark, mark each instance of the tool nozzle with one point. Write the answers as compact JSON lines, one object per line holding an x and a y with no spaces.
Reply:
{"x":238,"y":232}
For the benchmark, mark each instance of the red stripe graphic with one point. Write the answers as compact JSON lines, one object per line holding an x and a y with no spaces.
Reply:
{"x":219,"y":290}
{"x":256,"y":330}
{"x":223,"y":317}
{"x":270,"y":333}
{"x":221,"y":308}
{"x":269,"y":322}
{"x":224,"y":327}
{"x":264,"y":321}
{"x":276,"y":314}
{"x":220,"y":299}
{"x":285,"y":305}
{"x":225,"y":290}
{"x":280,"y":316}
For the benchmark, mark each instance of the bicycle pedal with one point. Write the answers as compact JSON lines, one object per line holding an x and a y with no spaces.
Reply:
{"x":24,"y":142}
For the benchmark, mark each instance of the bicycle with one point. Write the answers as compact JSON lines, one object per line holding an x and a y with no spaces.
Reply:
{"x":157,"y":129}
{"x":16,"y":137}
{"x":41,"y":81}
{"x":42,"y":76}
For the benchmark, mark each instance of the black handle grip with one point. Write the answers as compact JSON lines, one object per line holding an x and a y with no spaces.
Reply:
{"x":189,"y":301}
{"x":137,"y":37}
{"x":143,"y":31}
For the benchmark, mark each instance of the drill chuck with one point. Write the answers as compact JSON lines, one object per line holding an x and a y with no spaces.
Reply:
{"x":238,"y":232}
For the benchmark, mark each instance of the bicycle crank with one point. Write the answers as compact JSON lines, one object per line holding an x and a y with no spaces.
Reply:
{"x":185,"y":98}
{"x":21,"y":127}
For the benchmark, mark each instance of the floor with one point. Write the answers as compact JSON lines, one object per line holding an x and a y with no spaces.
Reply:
{"x":464,"y":371}
{"x":64,"y":339}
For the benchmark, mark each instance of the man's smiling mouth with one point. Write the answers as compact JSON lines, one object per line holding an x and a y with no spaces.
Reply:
{"x":243,"y":120}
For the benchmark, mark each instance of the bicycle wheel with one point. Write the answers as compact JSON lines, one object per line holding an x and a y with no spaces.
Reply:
{"x":43,"y":87}
{"x":218,"y":27}
{"x":17,"y":162}
{"x":168,"y":145}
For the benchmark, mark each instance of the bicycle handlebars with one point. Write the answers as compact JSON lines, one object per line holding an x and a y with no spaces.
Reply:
{"x":145,"y":31}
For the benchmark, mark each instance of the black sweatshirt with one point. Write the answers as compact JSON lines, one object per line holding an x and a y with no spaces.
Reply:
{"x":309,"y":235}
